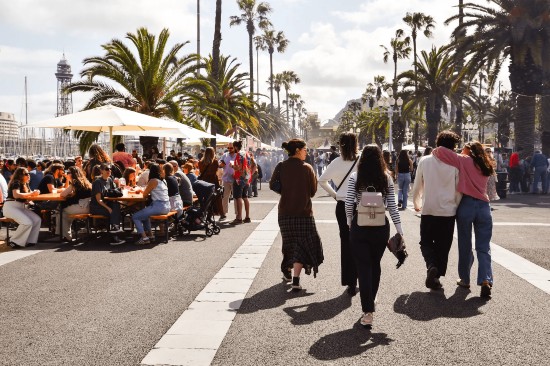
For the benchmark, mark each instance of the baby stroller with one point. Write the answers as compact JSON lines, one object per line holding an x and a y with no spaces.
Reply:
{"x":201,"y":215}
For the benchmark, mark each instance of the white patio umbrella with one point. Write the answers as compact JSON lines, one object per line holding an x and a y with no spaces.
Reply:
{"x":106,"y":118}
{"x":220,"y":140}
{"x":183,"y":131}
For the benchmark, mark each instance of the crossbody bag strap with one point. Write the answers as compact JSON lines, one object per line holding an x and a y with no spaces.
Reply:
{"x":349,"y":171}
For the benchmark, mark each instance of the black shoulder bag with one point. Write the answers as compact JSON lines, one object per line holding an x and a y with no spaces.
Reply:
{"x":349,"y":171}
{"x":113,"y":192}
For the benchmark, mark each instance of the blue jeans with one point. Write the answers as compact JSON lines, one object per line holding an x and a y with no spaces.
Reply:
{"x":141,"y":218}
{"x":476,"y":213}
{"x":540,"y":175}
{"x":404,"y":181}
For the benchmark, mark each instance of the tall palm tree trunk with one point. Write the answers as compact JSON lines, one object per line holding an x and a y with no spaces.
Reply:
{"x":216,"y":58}
{"x":287,"y":111}
{"x":524,"y":123}
{"x":271,"y":79}
{"x":251,"y":58}
{"x":432,"y":119}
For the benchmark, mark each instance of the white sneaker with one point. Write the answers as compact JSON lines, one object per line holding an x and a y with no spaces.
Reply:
{"x":366,"y":319}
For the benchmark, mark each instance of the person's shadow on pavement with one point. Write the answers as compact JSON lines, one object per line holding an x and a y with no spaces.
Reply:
{"x":270,"y":298}
{"x":347,"y":343}
{"x":425,"y":306}
{"x":316,"y":311}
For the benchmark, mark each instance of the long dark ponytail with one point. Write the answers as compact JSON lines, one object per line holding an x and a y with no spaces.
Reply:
{"x":481,"y":160}
{"x":371,"y":170}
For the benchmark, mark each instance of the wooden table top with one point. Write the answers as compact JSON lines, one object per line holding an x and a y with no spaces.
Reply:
{"x":48,"y":197}
{"x":130,"y":197}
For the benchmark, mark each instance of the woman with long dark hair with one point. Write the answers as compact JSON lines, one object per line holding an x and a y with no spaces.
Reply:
{"x":368,"y":243}
{"x":302,"y":248}
{"x":160,"y":204}
{"x":19,"y":193}
{"x":208,"y":167}
{"x":404,"y":167}
{"x":474,"y":210}
{"x":77,"y":199}
{"x":339,"y":171}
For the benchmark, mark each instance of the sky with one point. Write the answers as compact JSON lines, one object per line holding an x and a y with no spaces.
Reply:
{"x":334,"y":45}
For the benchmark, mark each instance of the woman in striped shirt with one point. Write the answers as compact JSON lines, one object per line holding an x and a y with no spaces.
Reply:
{"x":369,"y":242}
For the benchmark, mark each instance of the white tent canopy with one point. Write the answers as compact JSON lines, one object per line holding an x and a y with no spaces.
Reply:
{"x":106,"y":118}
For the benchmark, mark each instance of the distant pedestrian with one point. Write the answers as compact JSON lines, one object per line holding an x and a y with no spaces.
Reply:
{"x":404,"y":167}
{"x":242,"y":177}
{"x":539,"y":164}
{"x":514,"y":168}
{"x":226,"y":162}
{"x":339,"y":171}
{"x":474,"y":211}
{"x":302,"y":248}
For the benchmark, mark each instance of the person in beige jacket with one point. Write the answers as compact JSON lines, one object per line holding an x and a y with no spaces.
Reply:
{"x":436,"y":197}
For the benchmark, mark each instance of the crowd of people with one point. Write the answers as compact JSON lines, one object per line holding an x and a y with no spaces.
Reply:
{"x":367,"y":183}
{"x":168,"y":184}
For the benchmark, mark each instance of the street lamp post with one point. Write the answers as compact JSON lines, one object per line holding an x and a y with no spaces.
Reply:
{"x":385,"y":104}
{"x":470,"y":128}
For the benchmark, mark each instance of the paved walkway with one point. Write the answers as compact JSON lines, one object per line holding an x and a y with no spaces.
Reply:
{"x":221,"y":301}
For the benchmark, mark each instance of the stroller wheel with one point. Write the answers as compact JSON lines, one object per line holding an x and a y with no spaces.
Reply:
{"x":209,"y":232}
{"x":216,"y":229}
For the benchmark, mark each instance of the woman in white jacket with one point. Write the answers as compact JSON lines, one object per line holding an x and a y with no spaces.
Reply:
{"x":339,"y":171}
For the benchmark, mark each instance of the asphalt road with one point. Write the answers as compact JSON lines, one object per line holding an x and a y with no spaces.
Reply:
{"x":92,"y":304}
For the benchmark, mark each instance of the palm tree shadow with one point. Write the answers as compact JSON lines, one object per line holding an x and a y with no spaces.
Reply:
{"x":426,"y":306}
{"x":270,"y":298}
{"x":316,"y":311}
{"x":347,"y":343}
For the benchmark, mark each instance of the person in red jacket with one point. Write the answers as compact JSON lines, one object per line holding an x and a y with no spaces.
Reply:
{"x":515,"y":172}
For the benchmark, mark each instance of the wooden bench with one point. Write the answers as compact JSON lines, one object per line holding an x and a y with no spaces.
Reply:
{"x":165,"y":219}
{"x":7,"y":221}
{"x":84,"y":218}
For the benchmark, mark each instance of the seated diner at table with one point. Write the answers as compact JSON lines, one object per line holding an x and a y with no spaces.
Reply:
{"x":160,"y":204}
{"x":108,"y":208}
{"x":15,"y":208}
{"x":77,"y":199}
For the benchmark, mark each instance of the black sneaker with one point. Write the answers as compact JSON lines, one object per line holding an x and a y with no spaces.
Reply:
{"x":287,"y":276}
{"x":116,"y":241}
{"x":486,"y":289}
{"x":115,"y":229}
{"x":13,"y":245}
{"x":432,"y":278}
{"x":296,"y":284}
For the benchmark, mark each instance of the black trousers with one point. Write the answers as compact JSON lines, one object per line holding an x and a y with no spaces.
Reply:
{"x":347,"y":263}
{"x":436,"y":238}
{"x":368,"y":244}
{"x":114,"y":217}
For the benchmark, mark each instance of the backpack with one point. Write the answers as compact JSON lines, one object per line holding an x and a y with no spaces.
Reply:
{"x":371,"y":210}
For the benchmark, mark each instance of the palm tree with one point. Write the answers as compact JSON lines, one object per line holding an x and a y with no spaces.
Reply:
{"x":271,"y":41}
{"x":514,"y":30}
{"x":251,"y":15}
{"x":501,"y":115}
{"x":147,"y":81}
{"x":217,"y":39}
{"x":399,"y":50}
{"x":418,"y":22}
{"x":295,"y":102}
{"x":222,"y":102}
{"x":434,"y":80}
{"x":277,"y":84}
{"x":289,"y":78}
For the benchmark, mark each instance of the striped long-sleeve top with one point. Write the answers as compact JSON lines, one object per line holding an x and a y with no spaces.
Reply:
{"x":353,"y":197}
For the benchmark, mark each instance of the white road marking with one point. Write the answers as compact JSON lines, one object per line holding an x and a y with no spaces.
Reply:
{"x":12,"y":256}
{"x":519,"y":224}
{"x":198,"y":333}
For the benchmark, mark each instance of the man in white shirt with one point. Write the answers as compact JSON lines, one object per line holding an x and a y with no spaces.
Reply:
{"x":435,"y":194}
